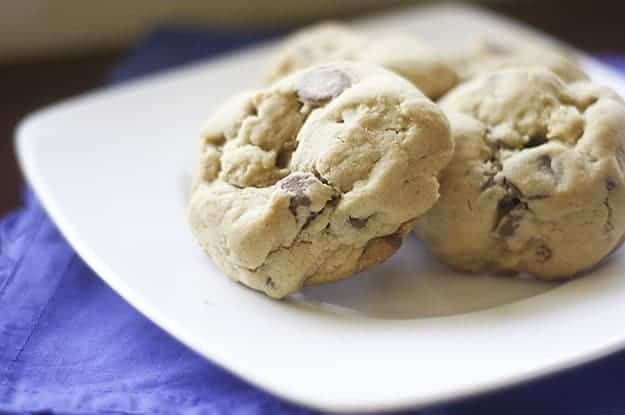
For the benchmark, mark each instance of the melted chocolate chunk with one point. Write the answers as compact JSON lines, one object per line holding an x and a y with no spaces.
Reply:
{"x":510,"y":210}
{"x":357,"y":222}
{"x":321,"y":84}
{"x":283,"y":158}
{"x":507,"y":204}
{"x":543,"y":253}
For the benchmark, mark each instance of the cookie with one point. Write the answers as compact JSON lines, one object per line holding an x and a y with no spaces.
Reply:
{"x":399,"y":53}
{"x":537,"y":181}
{"x":316,"y":177}
{"x":488,"y":56}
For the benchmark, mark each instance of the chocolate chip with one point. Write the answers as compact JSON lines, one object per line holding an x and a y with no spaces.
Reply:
{"x":508,"y":226}
{"x":545,"y":165}
{"x":297,"y":201}
{"x":610,"y":184}
{"x":321,"y":84}
{"x":543,"y":253}
{"x":510,"y":209}
{"x":270,"y":284}
{"x":536,"y":140}
{"x":506,"y":205}
{"x":283,"y":158}
{"x":544,"y":162}
{"x":357,"y":222}
{"x":295,"y":184}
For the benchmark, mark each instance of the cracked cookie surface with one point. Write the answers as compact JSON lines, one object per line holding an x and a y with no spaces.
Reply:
{"x":317,"y":176}
{"x":537,"y":180}
{"x":402,"y":54}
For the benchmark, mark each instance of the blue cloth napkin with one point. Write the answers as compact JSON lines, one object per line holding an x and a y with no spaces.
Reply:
{"x":69,"y":344}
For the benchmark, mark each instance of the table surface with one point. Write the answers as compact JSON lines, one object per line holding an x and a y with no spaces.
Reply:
{"x":27,"y":86}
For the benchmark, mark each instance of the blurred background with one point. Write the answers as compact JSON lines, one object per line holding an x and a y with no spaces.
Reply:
{"x":50,"y":50}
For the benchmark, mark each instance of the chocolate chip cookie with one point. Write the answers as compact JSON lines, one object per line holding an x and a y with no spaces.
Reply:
{"x":487,"y":55}
{"x":537,"y":181}
{"x":400,"y":53}
{"x":316,"y":177}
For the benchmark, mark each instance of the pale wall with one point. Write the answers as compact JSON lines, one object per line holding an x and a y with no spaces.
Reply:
{"x":43,"y":27}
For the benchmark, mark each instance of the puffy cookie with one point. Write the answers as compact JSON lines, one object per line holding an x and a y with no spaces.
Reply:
{"x":488,"y":56}
{"x":400,"y":53}
{"x":316,"y":177}
{"x":537,"y":180}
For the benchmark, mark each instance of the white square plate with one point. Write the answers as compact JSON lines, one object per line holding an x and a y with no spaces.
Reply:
{"x":112,"y":168}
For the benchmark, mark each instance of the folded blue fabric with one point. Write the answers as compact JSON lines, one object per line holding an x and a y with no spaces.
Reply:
{"x":69,"y":344}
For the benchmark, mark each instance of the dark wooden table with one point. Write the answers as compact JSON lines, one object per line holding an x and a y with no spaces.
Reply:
{"x":595,"y":26}
{"x":30,"y":85}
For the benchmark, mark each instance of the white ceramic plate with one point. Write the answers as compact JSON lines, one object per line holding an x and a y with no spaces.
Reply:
{"x":112,"y":168}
